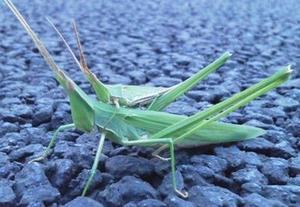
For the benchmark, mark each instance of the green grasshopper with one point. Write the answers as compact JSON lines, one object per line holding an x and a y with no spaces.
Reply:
{"x":117,"y":114}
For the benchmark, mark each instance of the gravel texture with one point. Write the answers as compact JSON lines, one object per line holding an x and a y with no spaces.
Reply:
{"x":157,"y":43}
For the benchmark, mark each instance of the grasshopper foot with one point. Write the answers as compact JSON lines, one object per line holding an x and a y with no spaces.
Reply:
{"x":182,"y":194}
{"x":40,"y":158}
{"x":162,"y":158}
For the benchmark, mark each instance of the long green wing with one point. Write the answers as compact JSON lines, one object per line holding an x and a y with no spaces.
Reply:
{"x":137,"y":124}
{"x":218,"y":132}
{"x":215,"y":132}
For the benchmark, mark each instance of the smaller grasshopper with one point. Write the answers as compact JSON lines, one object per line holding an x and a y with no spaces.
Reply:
{"x":117,"y":116}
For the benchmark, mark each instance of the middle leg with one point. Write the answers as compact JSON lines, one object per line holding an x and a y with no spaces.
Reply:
{"x":95,"y":164}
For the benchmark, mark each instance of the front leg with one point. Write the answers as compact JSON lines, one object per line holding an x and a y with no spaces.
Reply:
{"x":47,"y":152}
